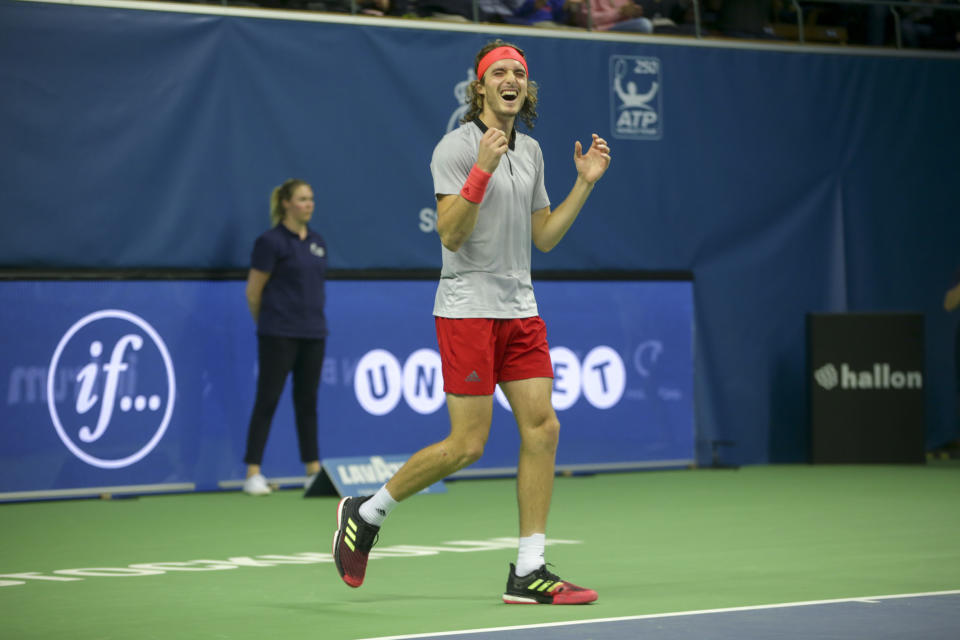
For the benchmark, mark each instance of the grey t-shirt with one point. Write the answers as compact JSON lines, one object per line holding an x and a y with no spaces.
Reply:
{"x":489,"y":277}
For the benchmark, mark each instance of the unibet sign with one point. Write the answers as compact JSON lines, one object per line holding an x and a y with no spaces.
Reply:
{"x":380,"y":380}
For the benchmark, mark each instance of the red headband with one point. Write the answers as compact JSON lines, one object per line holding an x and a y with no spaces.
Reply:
{"x":500,"y":53}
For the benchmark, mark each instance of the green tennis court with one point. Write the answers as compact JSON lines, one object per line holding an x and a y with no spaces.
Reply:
{"x":226,"y":565}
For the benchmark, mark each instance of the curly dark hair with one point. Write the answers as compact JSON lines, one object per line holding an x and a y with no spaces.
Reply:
{"x":528,"y":112}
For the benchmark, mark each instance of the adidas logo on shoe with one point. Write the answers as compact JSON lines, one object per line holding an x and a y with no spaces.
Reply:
{"x":473,"y":377}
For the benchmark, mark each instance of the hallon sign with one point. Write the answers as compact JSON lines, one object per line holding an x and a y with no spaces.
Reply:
{"x":866,"y":387}
{"x":880,"y":376}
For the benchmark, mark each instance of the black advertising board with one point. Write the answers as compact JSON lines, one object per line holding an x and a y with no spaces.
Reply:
{"x":866,"y":387}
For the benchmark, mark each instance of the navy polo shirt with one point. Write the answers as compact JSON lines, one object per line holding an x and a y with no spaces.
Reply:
{"x":293,"y":298}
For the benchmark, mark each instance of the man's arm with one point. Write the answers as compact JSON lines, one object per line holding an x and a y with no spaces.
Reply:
{"x":457,"y":216}
{"x":549,"y":227}
{"x":256,"y":281}
{"x":952,"y":300}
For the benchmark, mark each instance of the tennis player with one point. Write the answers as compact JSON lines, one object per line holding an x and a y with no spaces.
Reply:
{"x":491,"y":202}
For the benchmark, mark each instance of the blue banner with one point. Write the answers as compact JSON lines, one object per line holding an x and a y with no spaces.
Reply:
{"x":113,"y":384}
{"x":789,"y":180}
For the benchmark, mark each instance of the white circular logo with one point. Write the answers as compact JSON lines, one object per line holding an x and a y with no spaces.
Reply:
{"x":566,"y":378}
{"x":604,"y":377}
{"x":423,"y":381}
{"x":126,"y":371}
{"x":377,"y":382}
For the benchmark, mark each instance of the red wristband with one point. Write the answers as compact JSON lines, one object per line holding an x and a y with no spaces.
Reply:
{"x":475,"y":186}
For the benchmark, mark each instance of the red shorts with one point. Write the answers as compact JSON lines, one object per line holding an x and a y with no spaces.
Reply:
{"x":477,"y":353}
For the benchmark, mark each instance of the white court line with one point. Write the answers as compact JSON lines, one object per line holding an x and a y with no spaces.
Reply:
{"x":673,"y":614}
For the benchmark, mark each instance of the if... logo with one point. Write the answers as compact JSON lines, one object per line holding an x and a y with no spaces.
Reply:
{"x":125,"y":389}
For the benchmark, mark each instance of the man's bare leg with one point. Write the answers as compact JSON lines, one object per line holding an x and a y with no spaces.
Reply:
{"x":469,"y":429}
{"x":359,"y":519}
{"x":539,"y":433}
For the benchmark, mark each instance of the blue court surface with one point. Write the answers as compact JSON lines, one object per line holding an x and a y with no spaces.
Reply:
{"x":926,"y":616}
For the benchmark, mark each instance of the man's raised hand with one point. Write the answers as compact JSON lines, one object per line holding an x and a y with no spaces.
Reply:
{"x":593,"y":164}
{"x":493,"y":145}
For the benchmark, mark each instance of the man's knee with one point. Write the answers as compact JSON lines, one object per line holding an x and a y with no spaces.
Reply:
{"x":472,"y":454}
{"x":466,"y":451}
{"x":545,"y":431}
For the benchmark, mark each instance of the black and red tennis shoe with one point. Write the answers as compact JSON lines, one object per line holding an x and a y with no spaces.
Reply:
{"x":352,"y":541}
{"x":543,"y":587}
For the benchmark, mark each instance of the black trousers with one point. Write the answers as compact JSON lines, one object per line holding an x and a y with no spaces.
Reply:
{"x":277,"y":357}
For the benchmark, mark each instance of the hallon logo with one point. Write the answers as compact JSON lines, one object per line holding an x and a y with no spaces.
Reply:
{"x":880,"y":376}
{"x":136,"y":390}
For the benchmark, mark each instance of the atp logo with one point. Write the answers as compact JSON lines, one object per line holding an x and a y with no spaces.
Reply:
{"x":635,"y":98}
{"x":460,"y":93}
{"x":126,"y":389}
{"x":428,"y":215}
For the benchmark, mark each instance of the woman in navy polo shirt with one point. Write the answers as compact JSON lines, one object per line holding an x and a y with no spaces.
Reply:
{"x":285,"y":293}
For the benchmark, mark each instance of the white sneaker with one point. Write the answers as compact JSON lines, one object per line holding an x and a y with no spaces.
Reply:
{"x":310,"y":479}
{"x":256,"y":485}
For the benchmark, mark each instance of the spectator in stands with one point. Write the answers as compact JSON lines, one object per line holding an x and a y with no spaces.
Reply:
{"x":925,"y":27}
{"x":670,"y":16}
{"x":613,"y":15}
{"x":496,"y":11}
{"x":365,"y":7}
{"x":921,"y":26}
{"x":546,"y":13}
{"x":285,"y":293}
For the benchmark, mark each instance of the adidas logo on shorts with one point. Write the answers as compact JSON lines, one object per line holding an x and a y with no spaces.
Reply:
{"x":473,"y":377}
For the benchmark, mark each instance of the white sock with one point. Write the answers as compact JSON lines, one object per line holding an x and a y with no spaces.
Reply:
{"x":375,"y":510}
{"x":530,"y":554}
